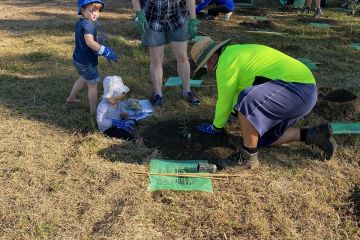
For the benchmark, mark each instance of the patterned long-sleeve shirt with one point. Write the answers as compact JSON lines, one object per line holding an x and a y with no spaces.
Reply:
{"x":164,"y":15}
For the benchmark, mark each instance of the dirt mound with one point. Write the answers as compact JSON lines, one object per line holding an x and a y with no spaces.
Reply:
{"x":338,"y":104}
{"x":316,"y":20}
{"x":178,"y":139}
{"x":266,"y":24}
{"x":250,"y":12}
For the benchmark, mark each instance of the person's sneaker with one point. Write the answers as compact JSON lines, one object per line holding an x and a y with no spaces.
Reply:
{"x":304,"y":10}
{"x":320,"y":136}
{"x":191,"y":98}
{"x":318,"y":12}
{"x":227,"y":16}
{"x":241,"y":159}
{"x":157,"y":100}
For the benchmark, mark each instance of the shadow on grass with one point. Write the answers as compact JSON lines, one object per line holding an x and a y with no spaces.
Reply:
{"x":355,"y":200}
{"x":289,"y":157}
{"x":128,"y":153}
{"x":38,"y":99}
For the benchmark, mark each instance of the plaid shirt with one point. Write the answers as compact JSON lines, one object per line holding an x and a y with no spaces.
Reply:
{"x":165,"y":15}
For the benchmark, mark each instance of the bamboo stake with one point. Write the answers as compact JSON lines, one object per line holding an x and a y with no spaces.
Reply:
{"x":266,"y":32}
{"x":191,"y":174}
{"x":182,"y":175}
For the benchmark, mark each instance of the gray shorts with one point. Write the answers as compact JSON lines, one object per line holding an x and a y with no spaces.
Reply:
{"x":153,"y":38}
{"x":274,"y":106}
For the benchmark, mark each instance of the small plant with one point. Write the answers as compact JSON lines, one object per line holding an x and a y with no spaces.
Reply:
{"x":185,"y":130}
{"x":354,"y":7}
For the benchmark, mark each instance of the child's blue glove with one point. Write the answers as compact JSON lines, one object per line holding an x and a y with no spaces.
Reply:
{"x":108,"y":53}
{"x":209,"y":128}
{"x":127,"y":125}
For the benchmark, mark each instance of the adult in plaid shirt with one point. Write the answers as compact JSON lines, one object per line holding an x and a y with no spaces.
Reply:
{"x":167,"y":21}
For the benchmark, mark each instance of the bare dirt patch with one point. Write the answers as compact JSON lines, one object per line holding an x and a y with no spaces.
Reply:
{"x":316,"y":20}
{"x":337,"y":104}
{"x":177,"y":139}
{"x":264,"y":24}
{"x":251,"y":12}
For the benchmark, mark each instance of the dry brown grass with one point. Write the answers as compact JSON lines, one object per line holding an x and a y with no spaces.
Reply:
{"x":60,"y":179}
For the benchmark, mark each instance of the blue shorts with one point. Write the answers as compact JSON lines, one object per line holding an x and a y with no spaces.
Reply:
{"x":153,"y":38}
{"x":88,"y":72}
{"x":274,"y":106}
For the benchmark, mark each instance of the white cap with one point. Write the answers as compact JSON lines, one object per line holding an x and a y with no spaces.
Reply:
{"x":114,"y":86}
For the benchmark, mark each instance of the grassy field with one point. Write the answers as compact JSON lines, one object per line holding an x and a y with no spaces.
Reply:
{"x":61,"y":179}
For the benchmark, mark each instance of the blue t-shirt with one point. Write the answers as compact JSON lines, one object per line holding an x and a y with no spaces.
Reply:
{"x":82,"y":53}
{"x":229,"y":4}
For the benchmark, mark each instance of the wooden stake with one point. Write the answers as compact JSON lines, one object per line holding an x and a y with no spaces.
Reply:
{"x":191,"y":174}
{"x":182,"y":175}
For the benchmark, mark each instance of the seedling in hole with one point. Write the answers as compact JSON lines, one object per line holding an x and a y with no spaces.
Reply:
{"x":185,"y":131}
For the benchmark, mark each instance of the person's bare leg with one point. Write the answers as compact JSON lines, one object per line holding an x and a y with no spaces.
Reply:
{"x":250,"y":140}
{"x":308,"y":3}
{"x":290,"y":135}
{"x":249,"y":133}
{"x":179,"y":50}
{"x":77,"y":87}
{"x":317,"y":2}
{"x":156,"y":68}
{"x":93,"y":97}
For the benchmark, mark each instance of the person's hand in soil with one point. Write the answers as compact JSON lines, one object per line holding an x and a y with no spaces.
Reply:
{"x":209,"y":128}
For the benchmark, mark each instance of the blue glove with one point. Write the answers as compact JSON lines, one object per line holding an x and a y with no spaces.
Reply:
{"x":108,"y":53}
{"x":208,"y":128}
{"x":127,"y":125}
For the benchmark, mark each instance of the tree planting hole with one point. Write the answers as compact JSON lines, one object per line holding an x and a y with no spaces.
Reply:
{"x":340,"y":95}
{"x":179,"y":140}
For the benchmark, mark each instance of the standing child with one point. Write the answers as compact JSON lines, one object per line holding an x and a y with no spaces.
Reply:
{"x":111,"y":121}
{"x":86,"y":53}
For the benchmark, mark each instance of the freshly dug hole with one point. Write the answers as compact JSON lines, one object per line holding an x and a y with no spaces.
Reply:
{"x":338,"y":105}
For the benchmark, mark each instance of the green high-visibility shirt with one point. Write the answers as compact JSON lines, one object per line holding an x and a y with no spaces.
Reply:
{"x":237,"y":67}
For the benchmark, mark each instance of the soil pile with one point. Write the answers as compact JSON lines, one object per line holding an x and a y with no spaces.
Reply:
{"x":178,"y":139}
{"x":250,"y":12}
{"x":338,"y":105}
